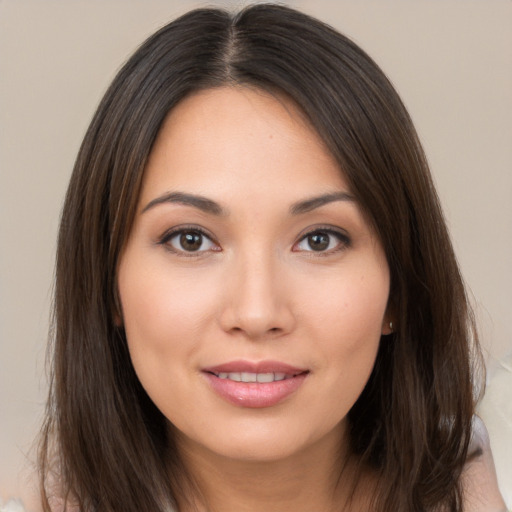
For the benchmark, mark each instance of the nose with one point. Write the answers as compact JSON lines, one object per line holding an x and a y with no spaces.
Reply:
{"x":258,"y":300}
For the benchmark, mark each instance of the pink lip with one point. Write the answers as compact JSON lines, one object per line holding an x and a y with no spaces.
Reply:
{"x":253,"y":394}
{"x":255,"y":367}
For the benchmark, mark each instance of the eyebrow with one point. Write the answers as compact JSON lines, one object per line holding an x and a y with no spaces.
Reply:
{"x":209,"y":206}
{"x":200,"y":202}
{"x":315,"y":202}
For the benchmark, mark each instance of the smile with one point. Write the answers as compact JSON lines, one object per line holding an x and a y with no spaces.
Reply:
{"x":254,"y":377}
{"x":255,"y":385}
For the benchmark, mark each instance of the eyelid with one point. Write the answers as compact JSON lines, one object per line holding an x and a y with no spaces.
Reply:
{"x":339,"y":233}
{"x":184,"y":228}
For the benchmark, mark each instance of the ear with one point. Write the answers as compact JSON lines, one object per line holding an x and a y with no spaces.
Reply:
{"x":117,"y":311}
{"x":387,"y":327}
{"x":389,"y":323}
{"x":117,"y":315}
{"x":118,"y":321}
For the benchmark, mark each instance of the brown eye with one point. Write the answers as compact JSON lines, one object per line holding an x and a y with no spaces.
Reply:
{"x":188,"y":241}
{"x":191,"y":241}
{"x":323,"y":241}
{"x":318,"y":241}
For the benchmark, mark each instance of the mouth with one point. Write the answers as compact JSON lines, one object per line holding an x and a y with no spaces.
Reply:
{"x":255,"y":385}
{"x":262,"y":378}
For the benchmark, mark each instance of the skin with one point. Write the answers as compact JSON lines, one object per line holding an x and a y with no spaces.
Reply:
{"x":255,"y":290}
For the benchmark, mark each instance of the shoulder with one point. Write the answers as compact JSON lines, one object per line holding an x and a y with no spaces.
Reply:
{"x":11,"y":506}
{"x":480,"y":485}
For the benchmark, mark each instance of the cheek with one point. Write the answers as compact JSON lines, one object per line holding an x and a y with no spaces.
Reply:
{"x":353,"y":304}
{"x":164,"y":312}
{"x":164,"y":315}
{"x":348,"y":317}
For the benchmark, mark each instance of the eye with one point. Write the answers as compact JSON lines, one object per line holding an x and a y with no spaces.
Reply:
{"x":322,"y":241}
{"x":187,"y":241}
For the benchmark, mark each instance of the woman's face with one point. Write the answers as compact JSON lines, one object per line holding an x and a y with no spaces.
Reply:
{"x":253,"y":290}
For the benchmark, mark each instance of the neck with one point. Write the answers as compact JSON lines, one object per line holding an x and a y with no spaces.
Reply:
{"x":320,"y":477}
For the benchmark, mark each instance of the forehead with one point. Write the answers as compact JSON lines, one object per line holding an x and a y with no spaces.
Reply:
{"x":239,"y":139}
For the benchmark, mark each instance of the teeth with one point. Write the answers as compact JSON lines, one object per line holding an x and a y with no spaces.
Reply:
{"x":265,"y":377}
{"x":252,"y":377}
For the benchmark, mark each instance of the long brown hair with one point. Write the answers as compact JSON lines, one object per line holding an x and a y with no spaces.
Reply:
{"x":103,"y":437}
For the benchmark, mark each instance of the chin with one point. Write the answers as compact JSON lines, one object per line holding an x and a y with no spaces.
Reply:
{"x":262,"y":441}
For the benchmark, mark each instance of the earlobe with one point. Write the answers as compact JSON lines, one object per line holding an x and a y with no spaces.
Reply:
{"x":117,"y":310}
{"x":118,"y":321}
{"x":388,"y":322}
{"x":116,"y":315}
{"x":387,"y":327}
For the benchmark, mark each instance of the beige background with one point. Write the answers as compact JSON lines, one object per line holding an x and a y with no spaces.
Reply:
{"x":451,"y":60}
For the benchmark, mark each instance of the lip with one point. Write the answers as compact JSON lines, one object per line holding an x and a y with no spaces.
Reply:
{"x":255,"y":367}
{"x":252,"y":394}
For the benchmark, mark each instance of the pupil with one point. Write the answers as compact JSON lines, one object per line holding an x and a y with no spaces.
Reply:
{"x":191,"y":241}
{"x":319,"y":241}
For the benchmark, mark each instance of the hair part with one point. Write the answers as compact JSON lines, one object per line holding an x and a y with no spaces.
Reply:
{"x":110,"y":444}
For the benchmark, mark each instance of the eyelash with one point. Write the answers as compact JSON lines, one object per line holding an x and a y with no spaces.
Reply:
{"x":343,"y":239}
{"x":182,"y":230}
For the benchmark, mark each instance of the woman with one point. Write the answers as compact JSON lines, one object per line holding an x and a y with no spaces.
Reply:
{"x":257,"y":304}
